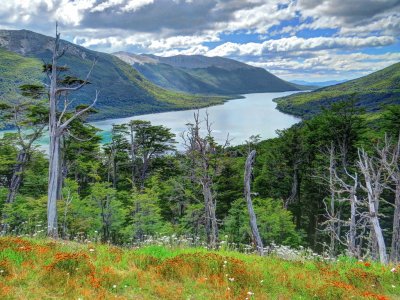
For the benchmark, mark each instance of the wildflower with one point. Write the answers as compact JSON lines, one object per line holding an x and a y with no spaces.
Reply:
{"x":225,"y":262}
{"x":262,"y":281}
{"x":367,"y":264}
{"x":228,"y":288}
{"x":231,"y":279}
{"x":393,"y":286}
{"x":250,"y":293}
{"x":91,"y":250}
{"x":393,"y":270}
{"x":114,"y":286}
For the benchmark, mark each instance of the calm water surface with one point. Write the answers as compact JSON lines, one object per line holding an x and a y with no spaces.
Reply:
{"x":240,"y":118}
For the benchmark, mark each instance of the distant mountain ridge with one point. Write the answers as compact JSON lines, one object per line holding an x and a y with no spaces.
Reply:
{"x":371,"y":93}
{"x":123,"y":91}
{"x":205,"y":75}
{"x":318,"y":83}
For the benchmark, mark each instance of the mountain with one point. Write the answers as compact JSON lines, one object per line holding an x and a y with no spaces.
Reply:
{"x":371,"y":93}
{"x":317,"y":84}
{"x":123,"y":91}
{"x":205,"y":75}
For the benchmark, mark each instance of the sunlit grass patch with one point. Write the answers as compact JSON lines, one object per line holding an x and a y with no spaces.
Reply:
{"x":44,"y":269}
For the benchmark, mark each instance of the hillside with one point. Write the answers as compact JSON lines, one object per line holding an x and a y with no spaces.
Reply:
{"x":45,"y":269}
{"x":206,"y":75}
{"x":371,"y":92}
{"x":123,"y":91}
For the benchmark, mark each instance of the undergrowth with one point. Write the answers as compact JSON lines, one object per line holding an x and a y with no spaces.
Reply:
{"x":46,"y":269}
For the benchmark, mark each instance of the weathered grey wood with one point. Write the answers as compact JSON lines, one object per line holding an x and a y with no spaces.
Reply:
{"x":247,"y":193}
{"x":373,"y":187}
{"x":57,"y":128}
{"x":201,"y":152}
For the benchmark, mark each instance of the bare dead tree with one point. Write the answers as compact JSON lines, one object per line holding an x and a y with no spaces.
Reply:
{"x":389,"y":156}
{"x":247,"y":194}
{"x":58,"y":125}
{"x":203,"y":153}
{"x":343,"y":192}
{"x":374,"y":182}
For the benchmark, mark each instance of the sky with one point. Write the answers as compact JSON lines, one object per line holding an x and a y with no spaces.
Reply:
{"x":312,"y":40}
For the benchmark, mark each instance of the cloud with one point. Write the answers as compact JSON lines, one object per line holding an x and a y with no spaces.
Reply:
{"x":134,"y":5}
{"x":72,"y":13}
{"x":287,"y":33}
{"x":328,"y":65}
{"x":299,"y":44}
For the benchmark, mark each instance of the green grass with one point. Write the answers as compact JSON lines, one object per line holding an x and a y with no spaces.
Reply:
{"x":46,"y":269}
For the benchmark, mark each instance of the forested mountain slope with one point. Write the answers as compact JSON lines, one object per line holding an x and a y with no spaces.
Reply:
{"x":370,"y":92}
{"x":123,"y":91}
{"x":206,"y":75}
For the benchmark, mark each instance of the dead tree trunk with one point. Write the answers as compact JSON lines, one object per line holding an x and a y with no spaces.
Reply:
{"x":373,"y":186}
{"x":395,"y":247}
{"x":57,"y":128}
{"x":203,"y":153}
{"x":211,"y":219}
{"x":247,"y":194}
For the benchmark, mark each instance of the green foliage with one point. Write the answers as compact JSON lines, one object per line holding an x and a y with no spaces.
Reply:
{"x":274,"y":223}
{"x":145,"y":217}
{"x":16,"y":70}
{"x":373,"y":92}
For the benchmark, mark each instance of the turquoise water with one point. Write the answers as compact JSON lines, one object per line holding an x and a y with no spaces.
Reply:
{"x":240,"y":118}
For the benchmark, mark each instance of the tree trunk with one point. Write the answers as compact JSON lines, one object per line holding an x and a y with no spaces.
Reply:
{"x":16,"y":178}
{"x":53,"y":188}
{"x":395,"y":248}
{"x":376,"y":226}
{"x":294,"y":195}
{"x":132,"y":150}
{"x":352,"y":232}
{"x":247,"y":194}
{"x":211,"y":219}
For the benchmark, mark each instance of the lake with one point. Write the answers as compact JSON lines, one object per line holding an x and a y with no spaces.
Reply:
{"x":241,"y":118}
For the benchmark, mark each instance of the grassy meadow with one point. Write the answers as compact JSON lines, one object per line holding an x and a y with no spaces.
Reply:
{"x":48,"y":269}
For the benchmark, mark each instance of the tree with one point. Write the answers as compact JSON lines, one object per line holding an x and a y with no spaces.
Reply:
{"x":59,"y":88}
{"x":389,"y":156}
{"x":204,"y":155}
{"x":147,"y":142}
{"x":28,"y":118}
{"x":117,"y":153}
{"x":247,"y":194}
{"x":374,"y":181}
{"x":274,"y":223}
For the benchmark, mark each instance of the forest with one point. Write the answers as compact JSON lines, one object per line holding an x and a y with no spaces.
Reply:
{"x":330,"y":183}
